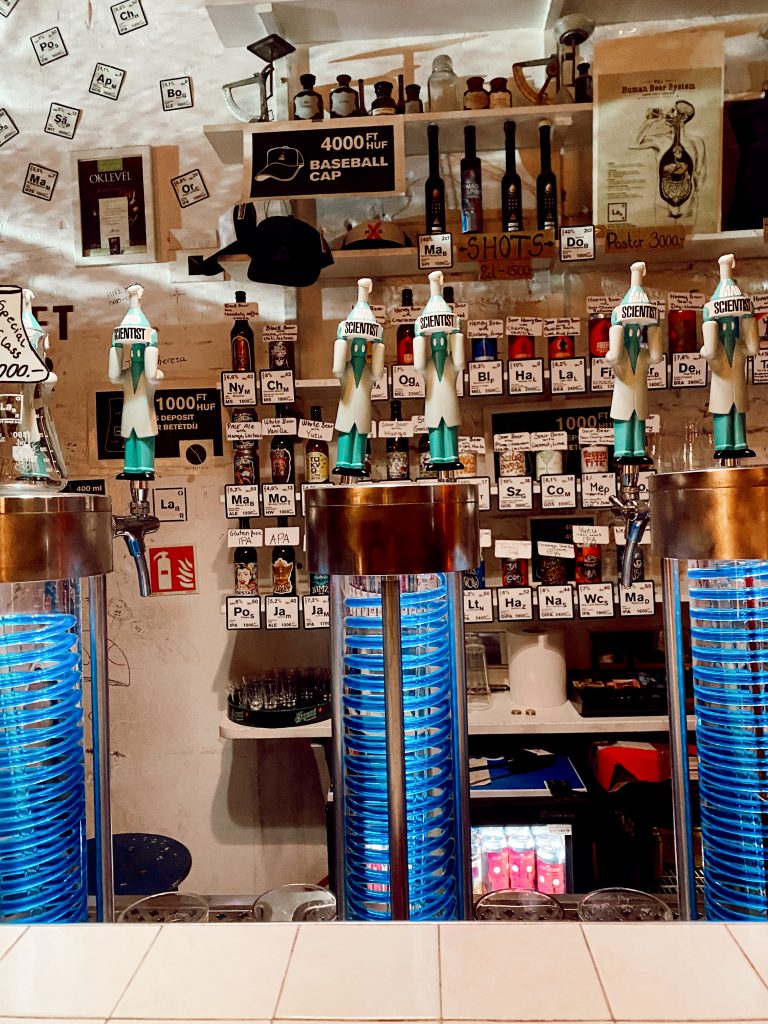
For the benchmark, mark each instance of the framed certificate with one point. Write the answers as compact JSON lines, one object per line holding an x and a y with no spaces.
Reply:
{"x":114,"y":215}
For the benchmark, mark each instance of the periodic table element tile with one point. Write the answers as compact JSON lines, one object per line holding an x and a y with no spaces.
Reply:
{"x":62,"y":120}
{"x":176,"y":93}
{"x":107,"y":81}
{"x":190,"y":188}
{"x":48,"y":46}
{"x":128,"y":15}
{"x":8,"y":127}
{"x":6,"y":6}
{"x":40,"y":182}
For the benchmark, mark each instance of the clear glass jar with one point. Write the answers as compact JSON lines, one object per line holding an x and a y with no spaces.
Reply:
{"x":443,"y":85}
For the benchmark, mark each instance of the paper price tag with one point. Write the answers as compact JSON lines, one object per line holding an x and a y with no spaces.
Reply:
{"x":435,"y":252}
{"x":596,"y":489}
{"x":577,"y":243}
{"x":657,"y":375}
{"x":485,"y":539}
{"x":8,"y":129}
{"x":689,"y":370}
{"x":620,"y":536}
{"x":553,"y":326}
{"x":483,"y":490}
{"x":278,"y":426}
{"x":189,"y":188}
{"x":276,"y":386}
{"x":460,"y":384}
{"x":243,"y":613}
{"x":245,"y":538}
{"x":639,"y":599}
{"x":170,"y":504}
{"x":760,"y":368}
{"x":515,"y":604}
{"x":653,"y":423}
{"x":485,"y":328}
{"x":555,"y":602}
{"x":591,"y":534}
{"x":760,"y":303}
{"x":395,"y":428}
{"x":279,"y":332}
{"x":513,"y":549}
{"x":551,"y":549}
{"x":279,"y":499}
{"x":548,"y":440}
{"x":403,"y":315}
{"x":281,"y":535}
{"x":515,"y":493}
{"x":476,"y":445}
{"x":642,"y":485}
{"x":317,"y":612}
{"x":685,"y":300}
{"x":532,"y":326}
{"x":246,"y":430}
{"x":526,"y":376}
{"x":558,"y":491}
{"x":568,"y":376}
{"x":478,"y":606}
{"x":595,"y":600}
{"x":406,"y":382}
{"x":380,"y":389}
{"x":241,"y":310}
{"x":238,"y":388}
{"x":281,"y":612}
{"x":518,"y":442}
{"x":602,"y":305}
{"x":241,"y":501}
{"x":589,"y":436}
{"x":460,"y":309}
{"x":419,"y":426}
{"x":314,"y":431}
{"x":486,"y":378}
{"x":602,"y":375}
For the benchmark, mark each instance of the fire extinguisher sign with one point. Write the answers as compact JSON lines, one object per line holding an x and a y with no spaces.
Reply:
{"x":172,"y":570}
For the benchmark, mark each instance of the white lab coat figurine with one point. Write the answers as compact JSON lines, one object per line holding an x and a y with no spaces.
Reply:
{"x":440,"y":366}
{"x":350,"y":366}
{"x":730,"y":336}
{"x":631,"y":359}
{"x":139,"y":381}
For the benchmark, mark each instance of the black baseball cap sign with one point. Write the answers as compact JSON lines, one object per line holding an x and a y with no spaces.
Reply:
{"x":283,"y":164}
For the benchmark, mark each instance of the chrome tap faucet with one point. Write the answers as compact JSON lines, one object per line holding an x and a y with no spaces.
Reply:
{"x":635,"y":514}
{"x":133,"y":528}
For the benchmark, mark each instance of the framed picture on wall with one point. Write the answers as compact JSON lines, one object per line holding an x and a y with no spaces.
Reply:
{"x":114,"y":215}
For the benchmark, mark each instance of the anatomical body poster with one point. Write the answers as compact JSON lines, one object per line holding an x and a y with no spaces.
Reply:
{"x":658,"y":136}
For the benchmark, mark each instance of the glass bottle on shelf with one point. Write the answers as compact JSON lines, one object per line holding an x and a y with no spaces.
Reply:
{"x":317,"y":468}
{"x":425,"y":459}
{"x":397,"y":449}
{"x":500,"y":94}
{"x":448,"y":294}
{"x":246,"y":464}
{"x":434,"y":188}
{"x":241,"y":341}
{"x":281,"y":455}
{"x":681,"y":326}
{"x":400,"y":108}
{"x":443,"y":85}
{"x":283,"y":566}
{"x":521,"y":346}
{"x":343,"y":98}
{"x":361,"y":109}
{"x":246,"y":567}
{"x":471,"y":185}
{"x":582,"y":84}
{"x":385,"y":101}
{"x":475,"y":96}
{"x":546,"y":183}
{"x":413,"y":104}
{"x":405,"y":333}
{"x":511,"y":187}
{"x":308,"y":103}
{"x":367,"y":464}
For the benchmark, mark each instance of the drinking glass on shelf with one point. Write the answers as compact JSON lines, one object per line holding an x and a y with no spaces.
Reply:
{"x":478,"y":687}
{"x":618,"y":904}
{"x":518,"y":905}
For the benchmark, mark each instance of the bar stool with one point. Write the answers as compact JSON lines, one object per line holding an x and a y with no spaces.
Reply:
{"x":518,"y":905}
{"x":144,"y":864}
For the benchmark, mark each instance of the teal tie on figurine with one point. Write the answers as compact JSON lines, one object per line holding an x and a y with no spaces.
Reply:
{"x":440,"y":365}
{"x":139,"y":381}
{"x":630,"y":354}
{"x":730,"y":336}
{"x":355,"y":337}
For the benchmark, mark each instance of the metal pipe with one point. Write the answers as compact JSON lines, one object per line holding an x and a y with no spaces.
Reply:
{"x":395,"y":728}
{"x":460,"y":740}
{"x":102,"y":812}
{"x":678,"y":739}
{"x":337,"y":691}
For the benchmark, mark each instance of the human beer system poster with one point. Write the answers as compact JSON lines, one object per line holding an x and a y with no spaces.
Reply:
{"x":658,"y":144}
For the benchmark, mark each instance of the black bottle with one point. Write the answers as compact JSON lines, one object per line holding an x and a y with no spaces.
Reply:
{"x":471,"y":185}
{"x":397,"y":449}
{"x":362,"y":112}
{"x":582,"y":84}
{"x":434,"y":189}
{"x":241,"y":340}
{"x":384,"y":102}
{"x":400,"y":95}
{"x":546,"y":183}
{"x":343,"y":98}
{"x":413,"y":102}
{"x":283,"y":567}
{"x":511,"y":188}
{"x":308,"y":104}
{"x":281,"y":455}
{"x":246,"y":567}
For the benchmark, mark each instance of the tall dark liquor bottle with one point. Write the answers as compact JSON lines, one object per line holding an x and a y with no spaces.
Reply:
{"x":511,"y":189}
{"x":241,"y":339}
{"x":405,"y":333}
{"x":281,"y":455}
{"x":546,"y":183}
{"x":434,"y":189}
{"x":471,"y":185}
{"x":397,"y":449}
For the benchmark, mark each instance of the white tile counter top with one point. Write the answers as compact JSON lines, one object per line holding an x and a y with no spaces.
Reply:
{"x":385,"y":972}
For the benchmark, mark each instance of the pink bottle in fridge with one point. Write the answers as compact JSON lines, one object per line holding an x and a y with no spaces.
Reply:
{"x":495,"y":860}
{"x":522,"y":858}
{"x":550,"y":864}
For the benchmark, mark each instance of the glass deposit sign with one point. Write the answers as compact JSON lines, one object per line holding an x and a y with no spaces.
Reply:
{"x":360,"y":156}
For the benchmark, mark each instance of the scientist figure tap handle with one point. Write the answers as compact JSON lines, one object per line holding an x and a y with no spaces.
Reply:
{"x":730,"y":336}
{"x":354,"y":337}
{"x":630,"y":355}
{"x":139,"y":380}
{"x":438,"y":353}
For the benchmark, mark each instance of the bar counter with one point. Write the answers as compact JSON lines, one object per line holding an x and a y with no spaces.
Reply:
{"x":385,"y":972}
